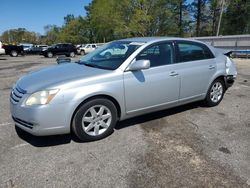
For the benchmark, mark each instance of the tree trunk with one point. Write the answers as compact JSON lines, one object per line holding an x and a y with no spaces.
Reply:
{"x":198,"y":21}
{"x":180,"y":17}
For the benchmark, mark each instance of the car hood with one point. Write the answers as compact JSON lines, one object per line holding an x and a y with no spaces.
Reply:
{"x":51,"y":76}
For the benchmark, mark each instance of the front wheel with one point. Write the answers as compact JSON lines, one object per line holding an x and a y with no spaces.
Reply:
{"x":95,"y":119}
{"x":215,"y":93}
{"x":13,"y":53}
{"x":49,"y":54}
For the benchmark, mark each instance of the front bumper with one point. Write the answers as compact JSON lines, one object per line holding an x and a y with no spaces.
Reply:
{"x":41,"y":120}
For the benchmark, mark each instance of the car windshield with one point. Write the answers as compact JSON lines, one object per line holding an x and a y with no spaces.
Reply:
{"x":110,"y":56}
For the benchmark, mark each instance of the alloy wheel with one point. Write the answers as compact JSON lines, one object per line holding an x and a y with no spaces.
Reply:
{"x":96,"y":120}
{"x":216,"y":92}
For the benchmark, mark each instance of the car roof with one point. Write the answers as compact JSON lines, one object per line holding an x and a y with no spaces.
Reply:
{"x":64,"y":43}
{"x":157,"y":39}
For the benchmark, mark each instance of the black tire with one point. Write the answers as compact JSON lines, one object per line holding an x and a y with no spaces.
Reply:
{"x":82,"y":52}
{"x":49,"y":54}
{"x":208,"y":101}
{"x":72,"y":54}
{"x":13,"y":53}
{"x":77,"y":127}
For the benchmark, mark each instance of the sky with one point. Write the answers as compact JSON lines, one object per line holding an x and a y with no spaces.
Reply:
{"x":35,"y":14}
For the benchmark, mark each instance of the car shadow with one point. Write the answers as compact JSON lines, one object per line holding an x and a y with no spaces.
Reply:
{"x":157,"y":115}
{"x":47,"y":141}
{"x":43,"y":141}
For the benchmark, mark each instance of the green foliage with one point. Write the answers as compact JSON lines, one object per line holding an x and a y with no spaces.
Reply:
{"x":75,"y":31}
{"x":20,"y":35}
{"x":236,"y":18}
{"x":112,"y":19}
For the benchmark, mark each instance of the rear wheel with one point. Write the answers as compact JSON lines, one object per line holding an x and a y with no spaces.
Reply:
{"x":82,"y":52}
{"x":72,"y":54}
{"x":13,"y":53}
{"x":215,"y":93}
{"x":95,"y":119}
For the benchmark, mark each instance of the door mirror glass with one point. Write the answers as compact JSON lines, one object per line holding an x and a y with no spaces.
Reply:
{"x":139,"y":65}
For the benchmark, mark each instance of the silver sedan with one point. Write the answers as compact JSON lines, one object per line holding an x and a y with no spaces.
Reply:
{"x":119,"y":80}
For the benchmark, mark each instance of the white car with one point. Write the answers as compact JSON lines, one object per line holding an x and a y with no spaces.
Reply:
{"x":87,"y":49}
{"x":2,"y":51}
{"x":119,"y":50}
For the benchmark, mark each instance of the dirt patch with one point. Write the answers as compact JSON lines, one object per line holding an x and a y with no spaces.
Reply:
{"x":175,"y":157}
{"x":224,"y":150}
{"x":21,"y":66}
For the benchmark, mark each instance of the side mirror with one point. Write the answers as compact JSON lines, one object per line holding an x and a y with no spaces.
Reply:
{"x":63,"y":59}
{"x":139,"y":65}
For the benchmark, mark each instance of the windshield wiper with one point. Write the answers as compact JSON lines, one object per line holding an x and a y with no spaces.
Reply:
{"x":94,"y":65}
{"x":86,"y":64}
{"x":90,"y":65}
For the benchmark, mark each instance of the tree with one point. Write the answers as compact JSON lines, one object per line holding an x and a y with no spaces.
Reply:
{"x":52,"y":33}
{"x":20,"y":35}
{"x":68,"y":19}
{"x":75,"y":31}
{"x":108,"y":20}
{"x":236,"y":18}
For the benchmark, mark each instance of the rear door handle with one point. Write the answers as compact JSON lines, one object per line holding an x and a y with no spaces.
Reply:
{"x":211,"y":67}
{"x":173,"y":73}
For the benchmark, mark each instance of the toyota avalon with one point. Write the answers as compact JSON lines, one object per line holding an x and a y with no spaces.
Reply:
{"x":90,"y":96}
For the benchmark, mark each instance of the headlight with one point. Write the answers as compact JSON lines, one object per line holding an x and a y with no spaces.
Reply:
{"x":41,"y":97}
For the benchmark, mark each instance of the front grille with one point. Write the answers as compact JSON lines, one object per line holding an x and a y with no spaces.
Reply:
{"x":16,"y":94}
{"x":23,"y":123}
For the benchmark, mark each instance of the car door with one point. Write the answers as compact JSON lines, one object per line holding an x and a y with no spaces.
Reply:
{"x":58,"y":49}
{"x":65,"y":49}
{"x":156,"y":86}
{"x":196,"y":68}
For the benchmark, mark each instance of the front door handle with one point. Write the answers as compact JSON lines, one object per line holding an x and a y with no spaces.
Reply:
{"x":173,"y":73}
{"x":211,"y":67}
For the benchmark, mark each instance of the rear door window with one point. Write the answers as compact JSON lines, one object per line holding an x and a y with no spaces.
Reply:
{"x":191,"y":51}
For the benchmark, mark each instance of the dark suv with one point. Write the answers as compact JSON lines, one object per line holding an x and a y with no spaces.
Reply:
{"x":60,"y":49}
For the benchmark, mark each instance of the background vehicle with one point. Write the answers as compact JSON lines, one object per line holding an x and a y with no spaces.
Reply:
{"x":36,"y":50}
{"x":2,"y":51}
{"x":43,"y":46}
{"x":78,"y":46}
{"x":90,"y":96}
{"x":87,"y":49}
{"x":115,"y":51}
{"x":13,"y":50}
{"x":26,"y":46}
{"x":66,"y":49}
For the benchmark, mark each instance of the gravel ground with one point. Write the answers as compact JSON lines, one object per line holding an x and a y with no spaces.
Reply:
{"x":188,"y":146}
